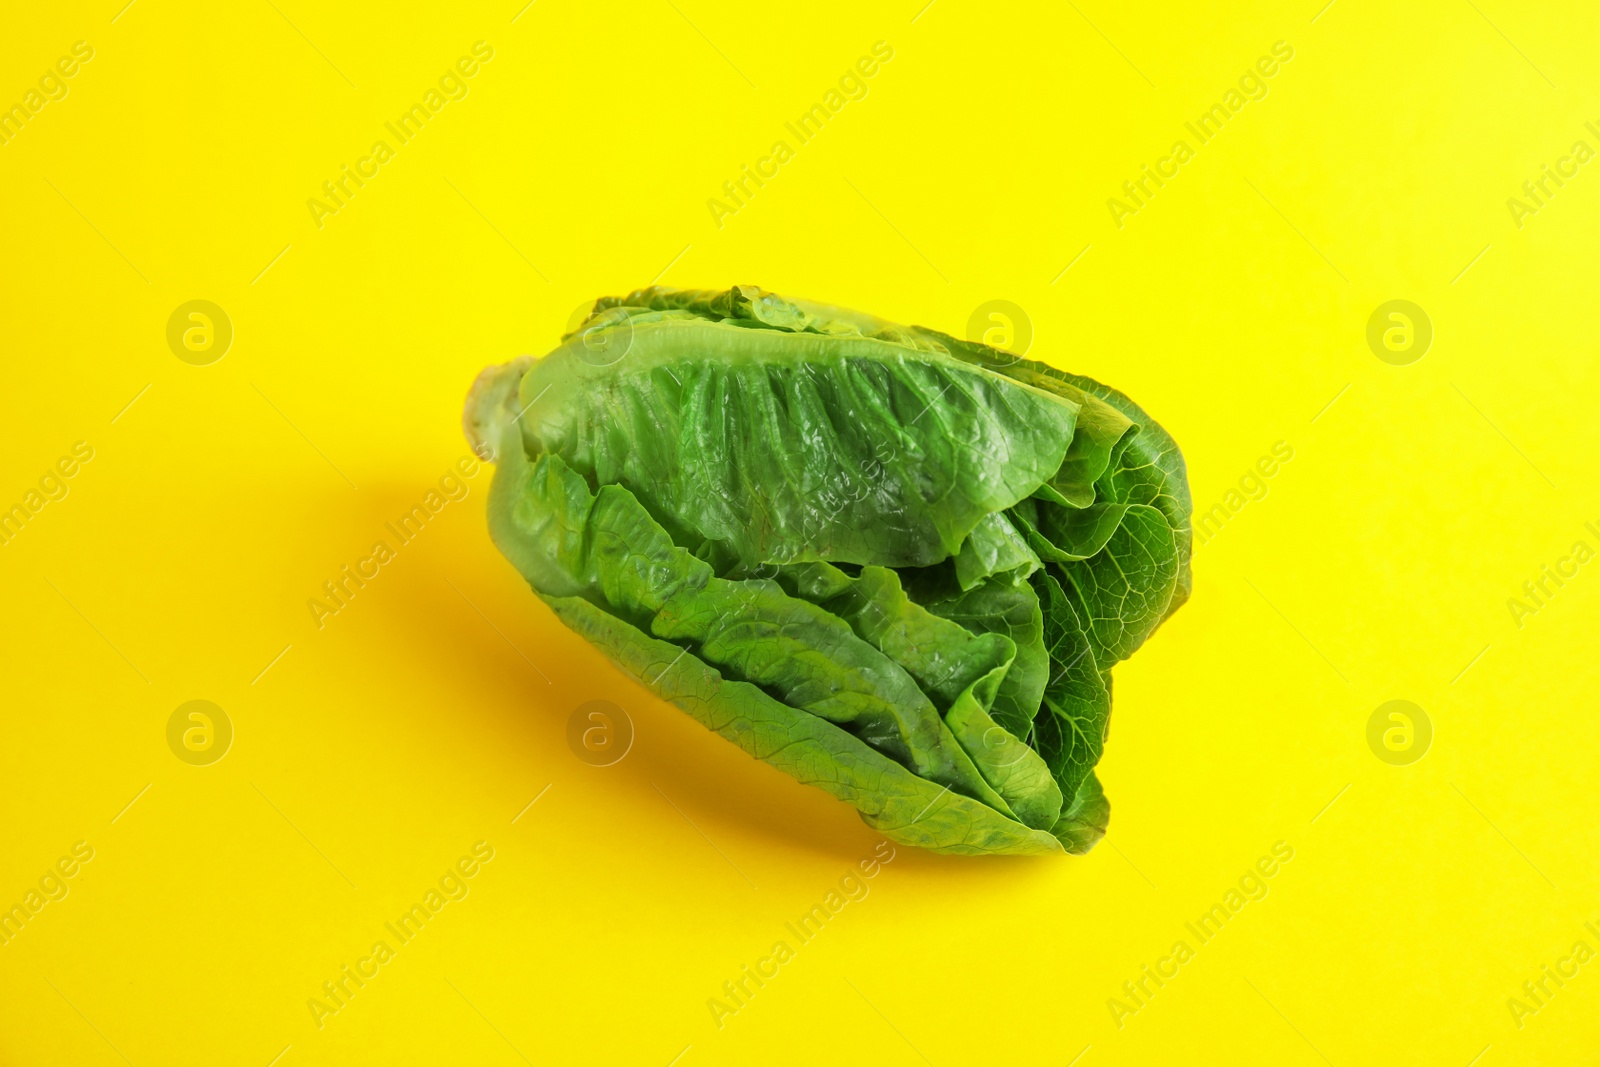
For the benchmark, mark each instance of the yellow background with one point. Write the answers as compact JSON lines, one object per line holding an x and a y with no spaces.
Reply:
{"x":426,"y":715}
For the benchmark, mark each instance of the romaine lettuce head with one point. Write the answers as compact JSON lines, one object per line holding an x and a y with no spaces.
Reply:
{"x":897,"y":565}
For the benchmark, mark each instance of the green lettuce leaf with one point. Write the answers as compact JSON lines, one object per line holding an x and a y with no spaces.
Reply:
{"x":784,"y":447}
{"x":961,"y":671}
{"x":1122,"y":592}
{"x":1075,"y":711}
{"x":897,"y":803}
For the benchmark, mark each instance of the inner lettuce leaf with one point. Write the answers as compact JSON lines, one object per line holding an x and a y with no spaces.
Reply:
{"x":894,"y":564}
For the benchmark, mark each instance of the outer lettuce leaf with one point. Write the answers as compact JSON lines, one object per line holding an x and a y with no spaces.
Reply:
{"x":1149,"y":470}
{"x":1122,"y":592}
{"x":783,"y":447}
{"x":1076,"y":709}
{"x":1084,"y":824}
{"x":892,"y":800}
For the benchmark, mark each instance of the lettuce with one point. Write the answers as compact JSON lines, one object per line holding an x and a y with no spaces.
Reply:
{"x":896,"y":565}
